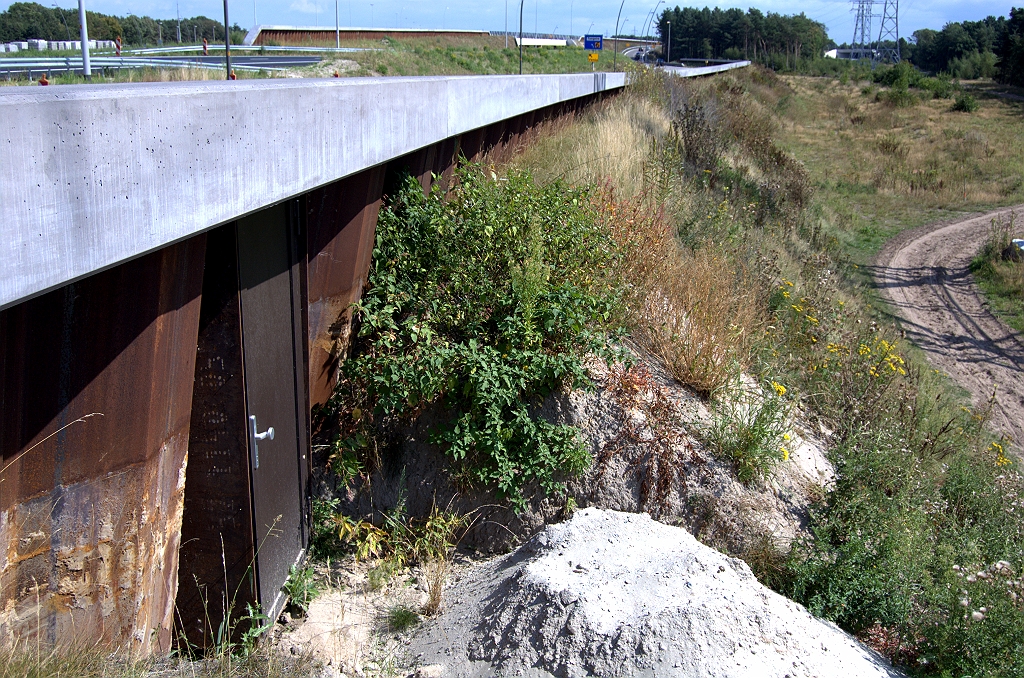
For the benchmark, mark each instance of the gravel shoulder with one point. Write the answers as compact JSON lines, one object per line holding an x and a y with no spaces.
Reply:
{"x":924,"y":274}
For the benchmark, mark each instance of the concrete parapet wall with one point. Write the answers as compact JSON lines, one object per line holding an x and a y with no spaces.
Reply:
{"x":97,"y":175}
{"x":694,"y":71}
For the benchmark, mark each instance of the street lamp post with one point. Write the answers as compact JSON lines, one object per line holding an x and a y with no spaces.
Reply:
{"x":650,"y":24}
{"x":337,"y":26}
{"x":521,"y":3}
{"x":64,"y":19}
{"x":615,"y":40}
{"x":227,"y":40}
{"x":86,"y":67}
{"x":506,"y":24}
{"x":668,"y":50}
{"x":570,"y":19}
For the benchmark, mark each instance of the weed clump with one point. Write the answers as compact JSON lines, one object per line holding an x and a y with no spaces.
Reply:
{"x":482,"y":302}
{"x":401,"y":618}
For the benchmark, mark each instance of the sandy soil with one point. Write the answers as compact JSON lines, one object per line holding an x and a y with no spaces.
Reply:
{"x":619,"y":594}
{"x":924,"y":274}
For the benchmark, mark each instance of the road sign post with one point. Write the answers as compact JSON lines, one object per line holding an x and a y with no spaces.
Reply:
{"x":594,"y":43}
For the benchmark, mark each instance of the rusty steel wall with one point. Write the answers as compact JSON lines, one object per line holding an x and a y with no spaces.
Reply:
{"x":95,"y":395}
{"x":341,"y":220}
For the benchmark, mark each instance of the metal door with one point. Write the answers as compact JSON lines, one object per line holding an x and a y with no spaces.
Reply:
{"x":270,"y":284}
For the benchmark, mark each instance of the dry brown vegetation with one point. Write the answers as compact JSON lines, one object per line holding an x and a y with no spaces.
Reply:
{"x":661,"y":155}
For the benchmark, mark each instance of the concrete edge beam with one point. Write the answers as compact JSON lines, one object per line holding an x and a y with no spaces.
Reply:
{"x":97,"y":175}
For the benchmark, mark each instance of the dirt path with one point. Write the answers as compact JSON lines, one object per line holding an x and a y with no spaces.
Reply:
{"x":924,"y":274}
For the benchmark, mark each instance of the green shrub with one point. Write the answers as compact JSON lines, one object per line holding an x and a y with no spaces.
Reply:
{"x":484,"y":300}
{"x":974,"y":65}
{"x":899,"y":97}
{"x":941,"y":87}
{"x":965,"y":103}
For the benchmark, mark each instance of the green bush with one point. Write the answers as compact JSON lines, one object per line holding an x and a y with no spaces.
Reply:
{"x":401,"y":618}
{"x":301,"y":588}
{"x":899,"y":97}
{"x":974,"y":65}
{"x":484,"y":300}
{"x":941,"y":87}
{"x":965,"y":103}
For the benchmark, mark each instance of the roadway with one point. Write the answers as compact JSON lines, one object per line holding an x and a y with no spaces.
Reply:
{"x":18,"y":66}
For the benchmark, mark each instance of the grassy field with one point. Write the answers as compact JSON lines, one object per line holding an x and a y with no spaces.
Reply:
{"x":878,"y":169}
{"x":999,"y":271}
{"x":476,"y":55}
{"x":442,"y":57}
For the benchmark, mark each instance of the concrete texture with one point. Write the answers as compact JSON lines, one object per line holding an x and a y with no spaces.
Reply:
{"x":694,"y":71}
{"x":96,"y":175}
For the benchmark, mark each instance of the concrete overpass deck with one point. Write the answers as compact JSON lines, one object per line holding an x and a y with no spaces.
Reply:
{"x":97,"y":175}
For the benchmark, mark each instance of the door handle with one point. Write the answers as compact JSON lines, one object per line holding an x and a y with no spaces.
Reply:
{"x":256,"y":437}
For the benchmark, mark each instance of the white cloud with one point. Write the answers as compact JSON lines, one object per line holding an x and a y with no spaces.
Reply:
{"x":305,"y":7}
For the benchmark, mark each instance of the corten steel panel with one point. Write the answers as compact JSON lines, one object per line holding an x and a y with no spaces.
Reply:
{"x":95,"y":393}
{"x":471,"y":145}
{"x":341,"y":219}
{"x":271,"y":254}
{"x":217,"y":546}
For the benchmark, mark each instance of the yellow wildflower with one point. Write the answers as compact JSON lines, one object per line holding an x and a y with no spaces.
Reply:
{"x":779,"y":388}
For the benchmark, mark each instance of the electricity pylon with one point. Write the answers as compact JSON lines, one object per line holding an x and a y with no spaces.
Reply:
{"x":890,"y":31}
{"x":862,"y":25}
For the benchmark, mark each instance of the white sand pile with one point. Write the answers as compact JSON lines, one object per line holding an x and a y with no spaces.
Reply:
{"x":618,"y":594}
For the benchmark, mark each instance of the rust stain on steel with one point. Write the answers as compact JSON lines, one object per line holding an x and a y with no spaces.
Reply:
{"x":90,"y":512}
{"x":341,"y":221}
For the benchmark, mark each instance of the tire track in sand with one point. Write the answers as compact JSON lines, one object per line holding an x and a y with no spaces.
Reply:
{"x":924,"y":274}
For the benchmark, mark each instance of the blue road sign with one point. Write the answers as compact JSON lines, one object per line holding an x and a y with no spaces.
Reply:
{"x":592,"y":41}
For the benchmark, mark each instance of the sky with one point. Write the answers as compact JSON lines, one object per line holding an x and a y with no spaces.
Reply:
{"x":546,"y":16}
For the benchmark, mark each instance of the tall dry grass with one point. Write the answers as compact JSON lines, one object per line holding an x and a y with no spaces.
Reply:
{"x":692,"y":309}
{"x":614,"y":143}
{"x":97,"y":661}
{"x":695,"y":308}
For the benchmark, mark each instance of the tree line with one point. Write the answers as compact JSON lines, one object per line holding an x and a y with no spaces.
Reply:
{"x":30,"y":20}
{"x":772,"y":39}
{"x":990,"y":48}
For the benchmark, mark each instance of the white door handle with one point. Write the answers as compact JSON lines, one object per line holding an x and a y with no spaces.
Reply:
{"x":256,"y":437}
